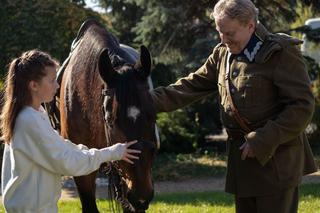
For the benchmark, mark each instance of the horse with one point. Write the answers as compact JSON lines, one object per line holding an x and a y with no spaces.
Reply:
{"x":104,"y":99}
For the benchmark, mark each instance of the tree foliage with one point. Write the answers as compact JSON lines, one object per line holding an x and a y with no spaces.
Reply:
{"x":49,"y":25}
{"x":123,"y":15}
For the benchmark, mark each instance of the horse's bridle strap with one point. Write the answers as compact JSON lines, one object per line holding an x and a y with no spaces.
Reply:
{"x":107,"y":92}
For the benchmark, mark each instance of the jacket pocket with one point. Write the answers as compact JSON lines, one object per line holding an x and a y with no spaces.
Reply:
{"x":288,"y":160}
{"x":254,"y":89}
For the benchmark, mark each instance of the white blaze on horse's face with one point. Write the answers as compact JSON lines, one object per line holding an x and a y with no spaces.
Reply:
{"x":133,"y":113}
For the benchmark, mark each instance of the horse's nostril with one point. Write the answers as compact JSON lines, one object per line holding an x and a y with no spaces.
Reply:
{"x":142,"y":201}
{"x":143,"y":205}
{"x":138,"y":204}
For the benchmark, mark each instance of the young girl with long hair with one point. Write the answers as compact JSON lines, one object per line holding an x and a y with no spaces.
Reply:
{"x":35,"y":155}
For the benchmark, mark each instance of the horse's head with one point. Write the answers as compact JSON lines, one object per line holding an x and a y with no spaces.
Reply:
{"x":129,"y":115}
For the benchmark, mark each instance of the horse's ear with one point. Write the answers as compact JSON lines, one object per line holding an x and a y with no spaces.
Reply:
{"x":144,"y":63}
{"x":106,"y":70}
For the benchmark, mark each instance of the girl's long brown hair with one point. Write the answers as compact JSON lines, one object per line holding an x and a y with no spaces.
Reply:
{"x":30,"y":66}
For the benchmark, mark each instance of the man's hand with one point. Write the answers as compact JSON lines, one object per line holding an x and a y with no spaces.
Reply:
{"x":246,"y":151}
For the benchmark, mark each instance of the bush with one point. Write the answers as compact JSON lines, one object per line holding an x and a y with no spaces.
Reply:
{"x":184,"y":130}
{"x":174,"y":132}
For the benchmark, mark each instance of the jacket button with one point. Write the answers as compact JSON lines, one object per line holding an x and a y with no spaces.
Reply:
{"x":228,"y":108}
{"x":235,"y":73}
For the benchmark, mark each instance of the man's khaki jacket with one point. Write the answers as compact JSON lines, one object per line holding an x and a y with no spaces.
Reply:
{"x":273,"y":94}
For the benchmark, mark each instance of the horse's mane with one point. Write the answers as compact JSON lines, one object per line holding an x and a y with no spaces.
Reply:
{"x":94,"y":40}
{"x":84,"y":80}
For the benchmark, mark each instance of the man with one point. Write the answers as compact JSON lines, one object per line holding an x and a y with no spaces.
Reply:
{"x":266,"y":103}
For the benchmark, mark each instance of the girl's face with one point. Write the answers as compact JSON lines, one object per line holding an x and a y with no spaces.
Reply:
{"x":45,"y":89}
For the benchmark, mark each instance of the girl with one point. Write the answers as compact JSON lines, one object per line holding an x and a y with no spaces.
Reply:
{"x":35,"y":156}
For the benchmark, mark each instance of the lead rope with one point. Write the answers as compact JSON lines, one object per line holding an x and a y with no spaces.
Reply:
{"x":116,"y":186}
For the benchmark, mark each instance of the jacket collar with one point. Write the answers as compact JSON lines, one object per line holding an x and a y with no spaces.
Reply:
{"x":252,"y":48}
{"x":255,"y":43}
{"x":261,"y":32}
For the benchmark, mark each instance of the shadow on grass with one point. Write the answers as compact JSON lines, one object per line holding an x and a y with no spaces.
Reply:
{"x":223,"y":199}
{"x":196,"y":199}
{"x":188,"y":170}
{"x":188,"y":166}
{"x":310,"y":190}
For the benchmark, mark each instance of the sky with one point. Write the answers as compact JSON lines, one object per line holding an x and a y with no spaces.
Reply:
{"x":94,"y":5}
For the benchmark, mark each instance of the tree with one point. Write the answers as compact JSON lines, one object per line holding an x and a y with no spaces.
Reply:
{"x":124,"y":14}
{"x":49,"y":25}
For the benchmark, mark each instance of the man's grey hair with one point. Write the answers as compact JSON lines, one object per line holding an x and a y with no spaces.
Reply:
{"x":241,"y":10}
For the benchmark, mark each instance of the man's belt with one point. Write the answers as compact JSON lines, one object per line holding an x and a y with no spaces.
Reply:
{"x":235,"y":134}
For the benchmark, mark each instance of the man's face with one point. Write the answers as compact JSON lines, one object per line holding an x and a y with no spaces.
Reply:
{"x":234,"y":34}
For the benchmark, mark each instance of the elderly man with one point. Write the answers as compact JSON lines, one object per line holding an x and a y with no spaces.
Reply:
{"x":266,"y":103}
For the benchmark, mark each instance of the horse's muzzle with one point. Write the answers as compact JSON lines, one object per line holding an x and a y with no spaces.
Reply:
{"x":139,"y":205}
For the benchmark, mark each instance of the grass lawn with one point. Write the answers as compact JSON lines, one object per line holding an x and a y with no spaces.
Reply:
{"x":201,"y":202}
{"x":205,"y":202}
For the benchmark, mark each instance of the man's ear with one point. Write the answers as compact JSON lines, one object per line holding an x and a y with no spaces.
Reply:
{"x":252,"y":25}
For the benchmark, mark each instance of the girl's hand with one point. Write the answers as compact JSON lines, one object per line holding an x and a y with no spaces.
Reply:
{"x":130,"y":154}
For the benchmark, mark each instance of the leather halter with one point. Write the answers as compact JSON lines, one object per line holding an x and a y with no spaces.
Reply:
{"x":112,"y":169}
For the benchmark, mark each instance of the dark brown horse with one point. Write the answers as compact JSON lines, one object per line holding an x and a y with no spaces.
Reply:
{"x":104,"y":99}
